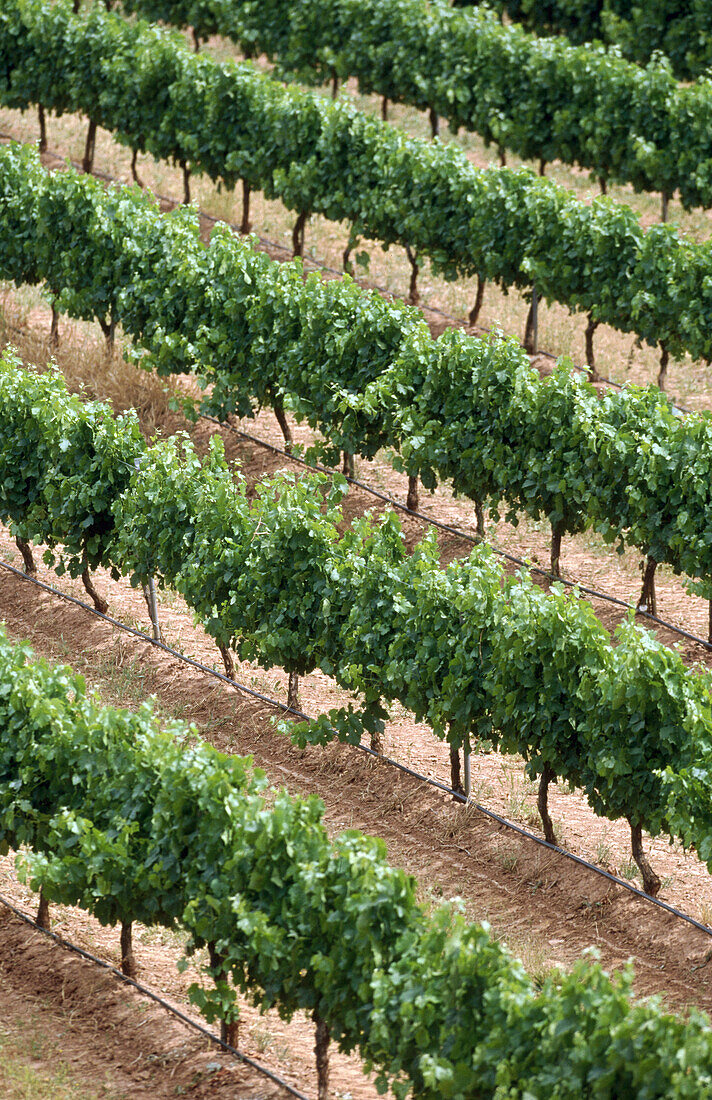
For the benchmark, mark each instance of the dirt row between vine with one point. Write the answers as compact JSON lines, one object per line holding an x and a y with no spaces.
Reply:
{"x":535,"y":899}
{"x":107,"y":1035}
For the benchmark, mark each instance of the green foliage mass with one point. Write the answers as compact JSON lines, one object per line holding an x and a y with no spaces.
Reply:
{"x":514,"y":228}
{"x":363,"y":372}
{"x":679,"y":29}
{"x":134,"y":822}
{"x":545,"y":99}
{"x":481,"y":657}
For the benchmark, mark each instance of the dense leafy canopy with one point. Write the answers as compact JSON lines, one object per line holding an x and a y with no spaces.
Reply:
{"x":231,"y":122}
{"x":476,"y":655}
{"x":134,"y":822}
{"x":544,"y":99}
{"x":362,"y":371}
{"x":680,"y":29}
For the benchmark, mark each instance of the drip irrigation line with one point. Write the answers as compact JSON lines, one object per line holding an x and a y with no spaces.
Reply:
{"x":428,"y":780}
{"x":318,"y":265}
{"x":473,"y":539}
{"x":83,"y":953}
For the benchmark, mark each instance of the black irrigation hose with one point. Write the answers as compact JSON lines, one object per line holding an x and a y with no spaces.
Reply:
{"x":319,"y":266}
{"x":154,"y":997}
{"x":475,"y":540}
{"x":436,"y":783}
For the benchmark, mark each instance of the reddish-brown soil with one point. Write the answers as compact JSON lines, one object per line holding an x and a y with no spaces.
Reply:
{"x":111,"y":1037}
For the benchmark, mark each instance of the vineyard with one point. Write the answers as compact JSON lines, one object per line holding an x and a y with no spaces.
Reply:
{"x":132,"y":817}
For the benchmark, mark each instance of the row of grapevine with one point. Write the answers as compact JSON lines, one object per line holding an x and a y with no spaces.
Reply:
{"x":474,"y":654}
{"x":680,"y":31}
{"x":543,"y":99}
{"x":232,"y":123}
{"x":364,"y":372}
{"x":132,"y":822}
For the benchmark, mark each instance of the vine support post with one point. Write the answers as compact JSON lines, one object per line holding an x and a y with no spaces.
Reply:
{"x":128,"y":959}
{"x":651,"y":882}
{"x":43,"y":128}
{"x":591,"y":327}
{"x":109,"y":330}
{"x":479,"y":520}
{"x":648,"y":600}
{"x":42,"y":918}
{"x":557,"y":530}
{"x":413,"y":499}
{"x":709,"y":623}
{"x":475,"y":311}
{"x":186,"y":182}
{"x":149,"y":594}
{"x":665,"y":206}
{"x":278,"y":407}
{"x":348,"y":465}
{"x":54,"y":328}
{"x":531,"y":331}
{"x":229,"y":1029}
{"x":89,"y":148}
{"x":298,"y":234}
{"x":134,"y":170}
{"x":321,"y":1050}
{"x":467,"y":762}
{"x":664,"y":361}
{"x":413,"y":295}
{"x":245,"y":224}
{"x":543,"y":804}
{"x":26,"y":551}
{"x":455,"y":775}
{"x":434,"y":118}
{"x":384,"y":108}
{"x":227,"y":660}
{"x":99,"y":602}
{"x":293,"y":691}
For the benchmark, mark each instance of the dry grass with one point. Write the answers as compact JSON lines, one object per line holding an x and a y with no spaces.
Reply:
{"x":83,"y":359}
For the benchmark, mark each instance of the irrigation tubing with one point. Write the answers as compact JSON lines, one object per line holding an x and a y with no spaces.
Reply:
{"x":153,"y":997}
{"x":317,"y":265}
{"x":436,"y":783}
{"x":473,"y":539}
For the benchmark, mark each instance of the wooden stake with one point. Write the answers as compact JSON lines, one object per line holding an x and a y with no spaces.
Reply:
{"x":413,"y":498}
{"x":245,"y":224}
{"x":475,"y":311}
{"x":227,"y":660}
{"x":43,"y":129}
{"x":321,"y":1050}
{"x":89,"y":148}
{"x":651,"y":882}
{"x":648,"y":601}
{"x":26,"y":551}
{"x":455,"y":777}
{"x":293,"y":691}
{"x":99,"y":602}
{"x":298,"y":234}
{"x":43,"y":911}
{"x":413,"y":295}
{"x":128,"y":959}
{"x":543,"y":804}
